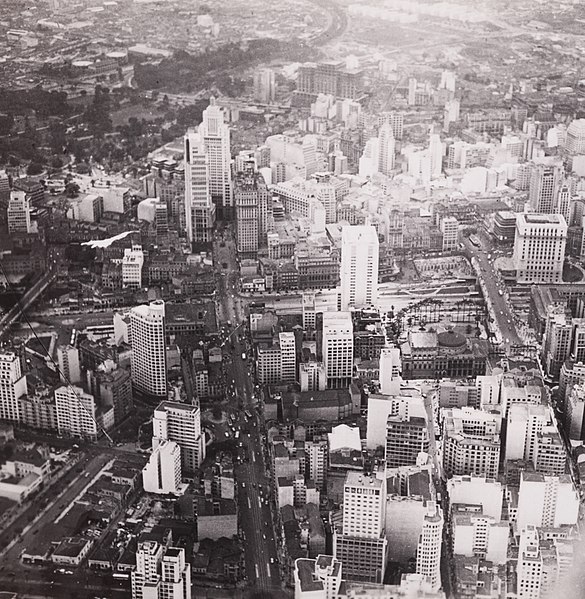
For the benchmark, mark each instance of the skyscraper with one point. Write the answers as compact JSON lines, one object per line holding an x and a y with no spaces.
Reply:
{"x":264,"y":86}
{"x":147,"y":339}
{"x":288,"y":357}
{"x":386,"y":146}
{"x":359,"y":266}
{"x":216,"y":140}
{"x":251,"y":198}
{"x":575,"y":143}
{"x":68,"y":360}
{"x":162,"y":474}
{"x":406,"y":437}
{"x":12,"y":387}
{"x":530,"y":566}
{"x":436,"y":152}
{"x":361,"y":544}
{"x":545,"y":180}
{"x":428,"y":552}
{"x":181,"y":423}
{"x":338,"y":349}
{"x":18,"y":214}
{"x":199,"y":209}
{"x":160,"y":573}
{"x":539,"y":248}
{"x":77,"y":413}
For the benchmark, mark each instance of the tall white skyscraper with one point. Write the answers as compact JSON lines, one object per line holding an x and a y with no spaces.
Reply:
{"x":288,"y":357}
{"x":428,"y":552}
{"x":547,"y":500}
{"x":181,"y":423}
{"x":252,"y":202}
{"x":12,"y":387}
{"x":18,"y":214}
{"x":546,"y":177}
{"x":161,"y":572}
{"x":359,"y":266}
{"x":539,"y":248}
{"x":264,"y":86}
{"x":338,"y":348}
{"x":199,"y":209}
{"x":68,"y":360}
{"x":364,"y":504}
{"x":436,"y":152}
{"x":529,"y":571}
{"x":77,"y":412}
{"x":386,"y":147}
{"x":162,"y":474}
{"x":361,"y":545}
{"x":216,"y":139}
{"x":147,"y":339}
{"x":575,"y":143}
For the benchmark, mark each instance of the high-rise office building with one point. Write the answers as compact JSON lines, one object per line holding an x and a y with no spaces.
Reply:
{"x":524,"y":423}
{"x":428,"y":551}
{"x":18,"y":214}
{"x":556,"y":343}
{"x":162,"y":474}
{"x":575,"y":144}
{"x":330,"y":78}
{"x":160,"y":572}
{"x":539,"y":248}
{"x":12,"y":387}
{"x":181,"y":423}
{"x":316,"y":461}
{"x":199,"y":209}
{"x":288,"y":357}
{"x":216,"y":140}
{"x":477,"y":490}
{"x":471,"y":442}
{"x":147,"y":339}
{"x":530,"y":566}
{"x":312,"y":376}
{"x":251,"y":199}
{"x":450,"y":230}
{"x":574,"y":416}
{"x":436,"y":153}
{"x":364,"y":501}
{"x":359,"y":266}
{"x":361,"y":544}
{"x":395,"y":120}
{"x":264,"y":86}
{"x":547,"y":500}
{"x":77,"y":413}
{"x":113,"y":387}
{"x":386,"y":148}
{"x":338,"y":349}
{"x":477,"y":534}
{"x":68,"y":361}
{"x":132,"y":263}
{"x":545,"y":181}
{"x":406,"y":437}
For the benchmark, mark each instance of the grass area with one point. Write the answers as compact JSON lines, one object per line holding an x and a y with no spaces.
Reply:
{"x":571,"y":274}
{"x":148,"y":113}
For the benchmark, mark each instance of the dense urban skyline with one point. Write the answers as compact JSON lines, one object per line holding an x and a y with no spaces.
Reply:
{"x":292,"y":299}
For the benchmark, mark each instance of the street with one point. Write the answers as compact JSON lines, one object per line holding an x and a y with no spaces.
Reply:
{"x":502,"y":312}
{"x":253,"y":482}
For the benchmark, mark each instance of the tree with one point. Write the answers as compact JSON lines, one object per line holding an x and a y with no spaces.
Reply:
{"x":72,"y":189}
{"x":34,"y":168}
{"x":57,"y":136}
{"x":6,"y":124}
